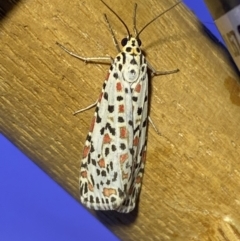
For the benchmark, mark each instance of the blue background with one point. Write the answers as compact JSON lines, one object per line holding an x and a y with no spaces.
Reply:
{"x":34,"y":207}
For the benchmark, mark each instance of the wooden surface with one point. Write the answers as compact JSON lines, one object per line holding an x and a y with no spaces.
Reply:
{"x":191,"y":186}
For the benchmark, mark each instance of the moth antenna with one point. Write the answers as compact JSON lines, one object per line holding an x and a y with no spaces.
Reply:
{"x":157,"y":18}
{"x":134,"y":20}
{"x":117,"y":17}
{"x":112,"y":33}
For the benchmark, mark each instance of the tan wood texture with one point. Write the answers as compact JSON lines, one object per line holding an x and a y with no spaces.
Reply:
{"x":191,"y":185}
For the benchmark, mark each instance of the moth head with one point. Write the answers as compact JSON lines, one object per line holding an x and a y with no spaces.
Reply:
{"x":134,"y":42}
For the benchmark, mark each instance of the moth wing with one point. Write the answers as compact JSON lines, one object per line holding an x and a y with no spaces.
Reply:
{"x":137,"y":148}
{"x":101,"y":184}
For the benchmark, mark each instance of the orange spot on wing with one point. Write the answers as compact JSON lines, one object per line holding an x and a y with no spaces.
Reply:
{"x":109,"y":191}
{"x":144,"y":156}
{"x":123,"y":132}
{"x":84,"y":174}
{"x":123,"y":158}
{"x":136,"y":141}
{"x":101,"y":163}
{"x":90,"y":187}
{"x":100,"y":97}
{"x":138,"y":180}
{"x":106,"y":138}
{"x":121,"y":108}
{"x":130,"y":190}
{"x":86,"y":151}
{"x":138,"y":88}
{"x":119,"y":87}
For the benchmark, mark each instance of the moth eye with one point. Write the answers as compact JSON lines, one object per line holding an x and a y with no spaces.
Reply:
{"x":139,"y":42}
{"x":124,"y":41}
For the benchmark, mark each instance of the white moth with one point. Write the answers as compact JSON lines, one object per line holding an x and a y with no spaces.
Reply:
{"x":115,"y":149}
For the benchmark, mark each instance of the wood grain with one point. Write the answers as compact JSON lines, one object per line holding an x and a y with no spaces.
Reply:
{"x":191,"y":188}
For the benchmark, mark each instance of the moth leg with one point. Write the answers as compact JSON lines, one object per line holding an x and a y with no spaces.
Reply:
{"x":86,"y":108}
{"x":155,"y":72}
{"x":86,"y":59}
{"x":153,"y":125}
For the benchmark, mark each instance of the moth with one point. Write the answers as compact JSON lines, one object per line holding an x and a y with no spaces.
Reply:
{"x":114,"y":154}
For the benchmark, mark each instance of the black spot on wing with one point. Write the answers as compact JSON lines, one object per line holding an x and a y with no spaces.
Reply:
{"x":119,"y":98}
{"x":84,"y":189}
{"x":123,"y":58}
{"x":130,"y":122}
{"x":146,"y":98}
{"x":102,"y":131}
{"x":120,"y":67}
{"x":107,"y":151}
{"x":93,"y":162}
{"x":92,"y":179}
{"x":114,"y":148}
{"x":135,"y":98}
{"x":98,"y":119}
{"x":111,"y":129}
{"x":115,"y":177}
{"x":113,"y":199}
{"x":136,"y":130}
{"x":120,"y":193}
{"x":84,"y":165}
{"x":121,"y":119}
{"x":122,"y":146}
{"x":143,"y":69}
{"x":111,"y":165}
{"x":103,"y":173}
{"x":115,"y":75}
{"x":104,"y":85}
{"x":89,"y":160}
{"x":110,"y":108}
{"x":145,"y":123}
{"x":91,"y":199}
{"x":88,"y":138}
{"x":139,"y":111}
{"x":105,"y":95}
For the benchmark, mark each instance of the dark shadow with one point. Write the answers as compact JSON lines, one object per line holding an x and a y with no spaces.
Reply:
{"x":114,"y":218}
{"x":6,"y":6}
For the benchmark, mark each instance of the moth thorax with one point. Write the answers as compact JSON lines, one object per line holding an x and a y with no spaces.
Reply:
{"x":131,"y":73}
